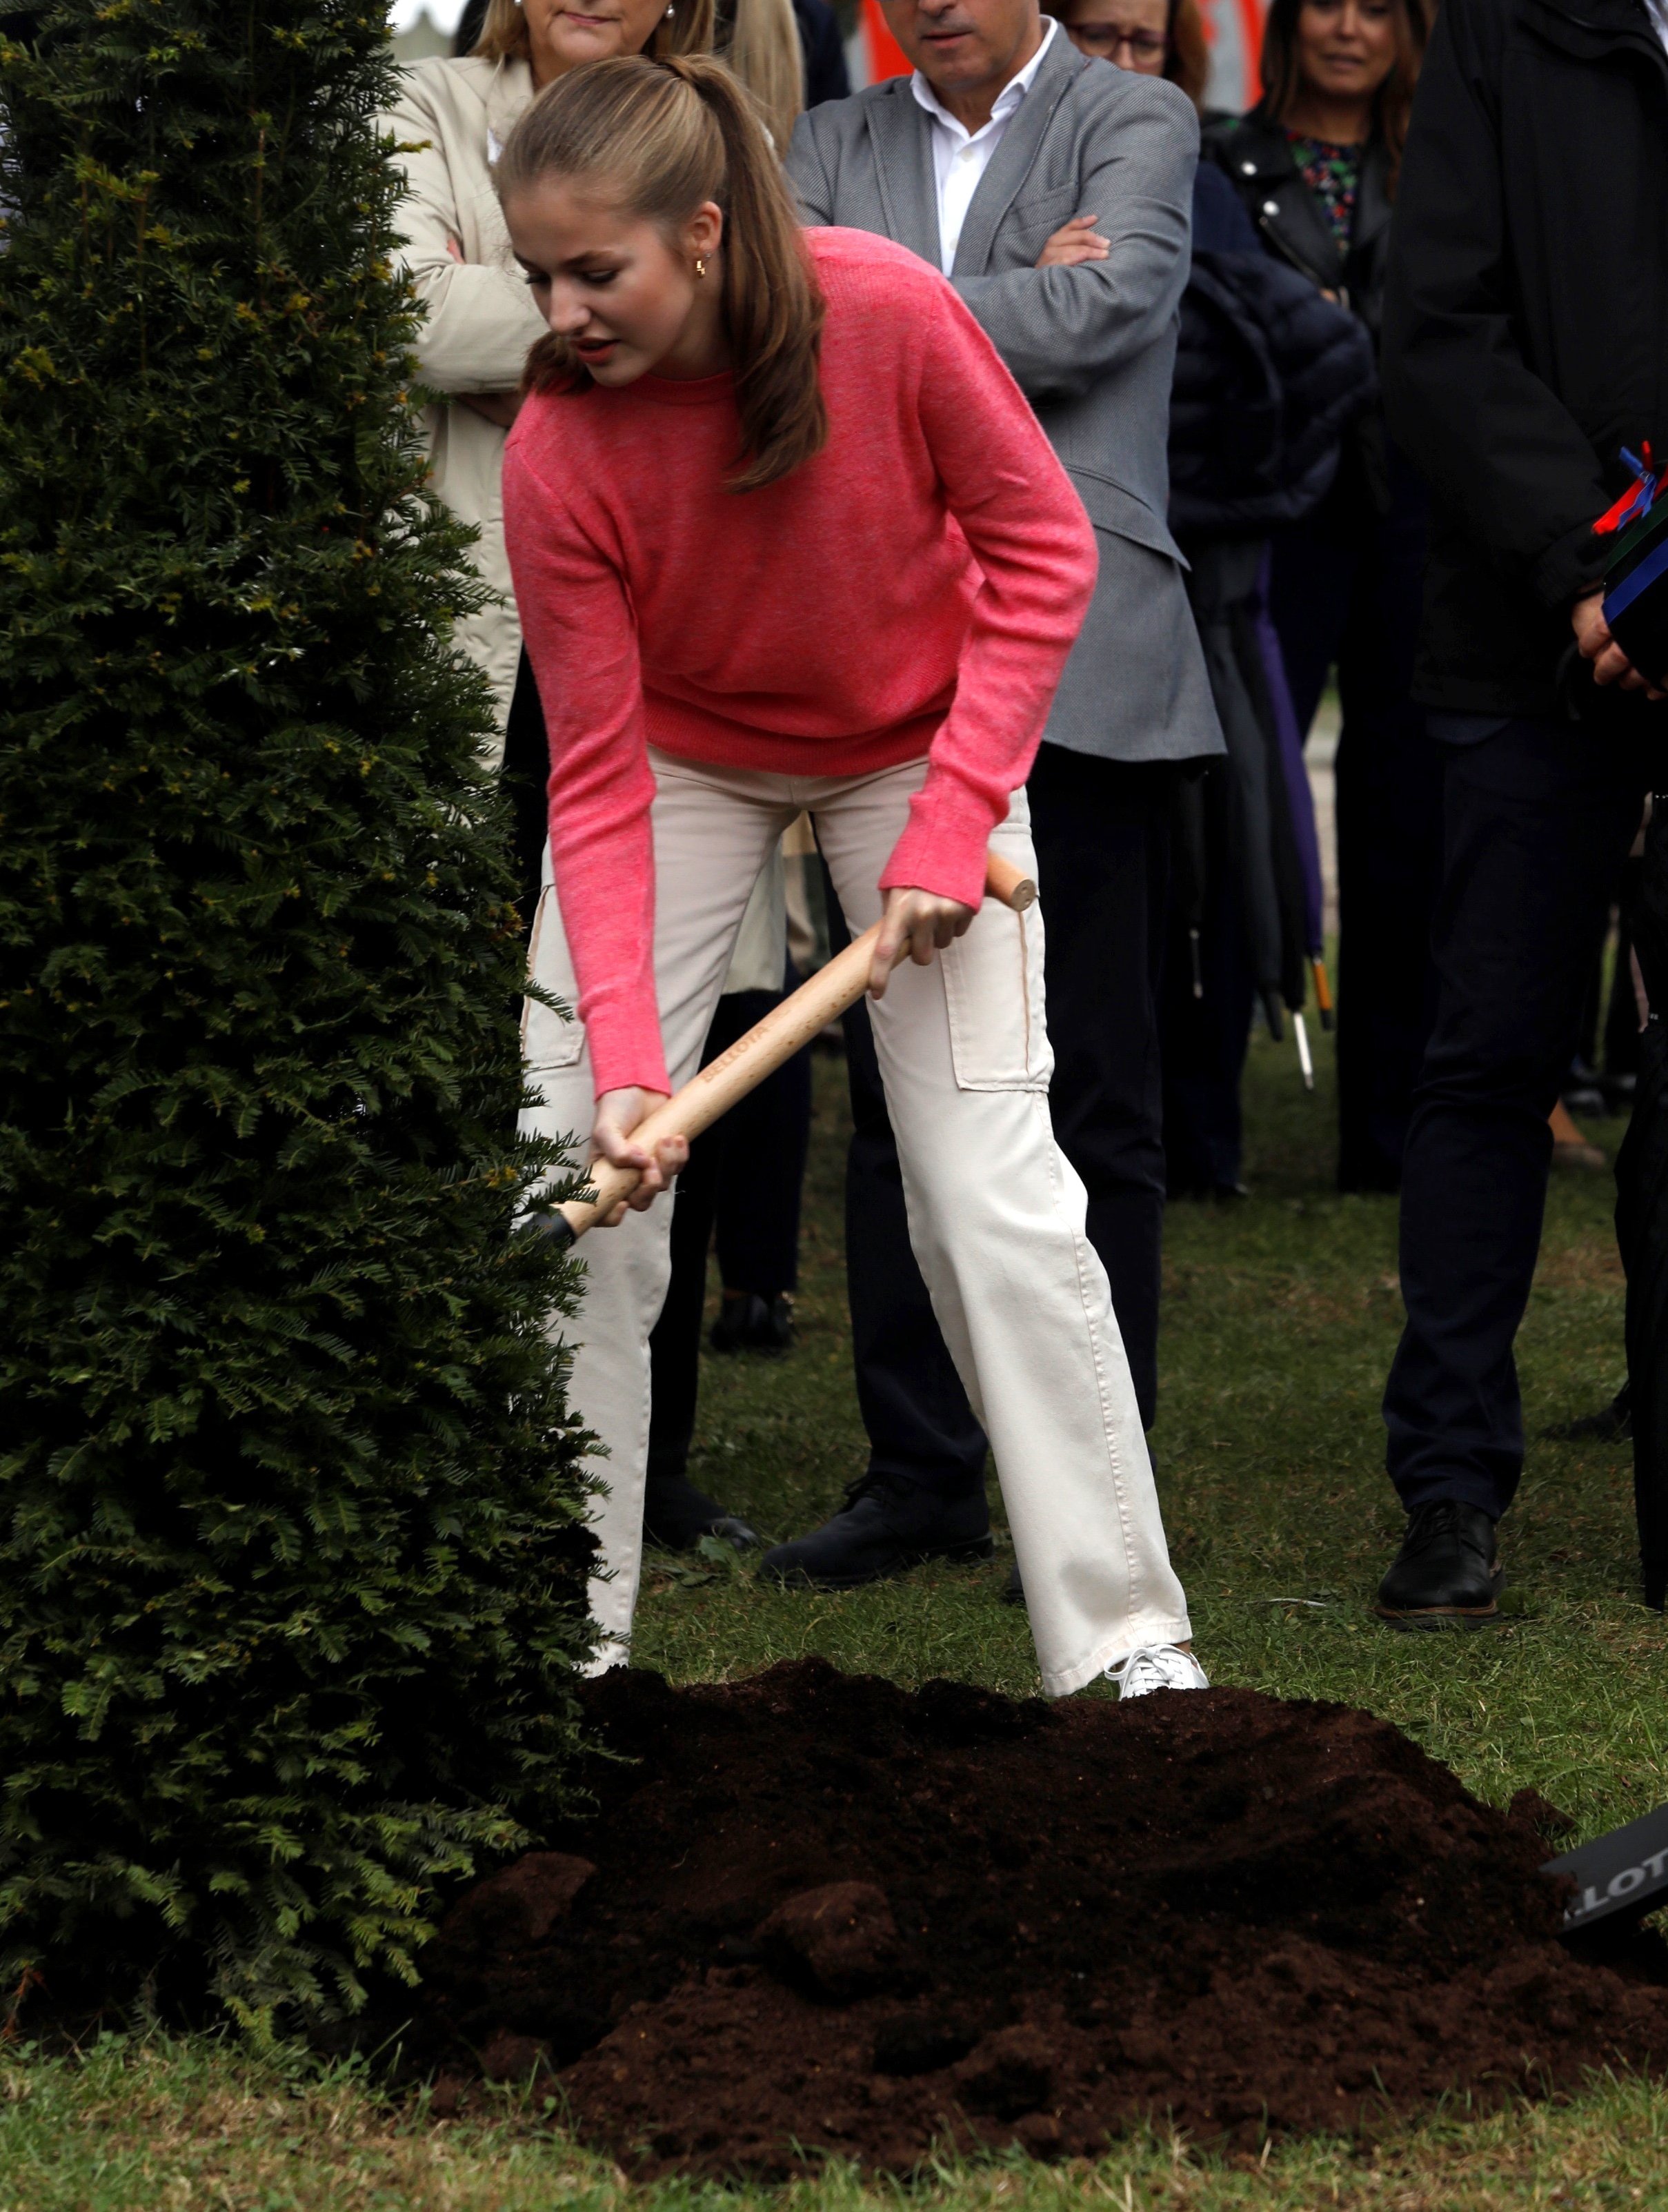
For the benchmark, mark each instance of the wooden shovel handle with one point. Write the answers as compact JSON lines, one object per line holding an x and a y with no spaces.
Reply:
{"x":1003,"y":881}
{"x":766,"y":1046}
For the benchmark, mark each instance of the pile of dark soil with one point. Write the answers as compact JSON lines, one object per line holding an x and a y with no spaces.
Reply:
{"x":813,"y":1910}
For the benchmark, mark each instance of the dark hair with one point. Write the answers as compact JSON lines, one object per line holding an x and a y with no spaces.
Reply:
{"x":1394,"y":100}
{"x":667,"y":137}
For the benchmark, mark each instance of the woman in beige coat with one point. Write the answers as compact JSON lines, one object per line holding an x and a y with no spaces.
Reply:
{"x":450,"y":121}
{"x":452,"y":118}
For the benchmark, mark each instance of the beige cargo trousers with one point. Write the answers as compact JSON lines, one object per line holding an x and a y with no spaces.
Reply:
{"x":996,"y":1210}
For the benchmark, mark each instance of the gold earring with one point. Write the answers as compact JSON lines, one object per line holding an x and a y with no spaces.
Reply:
{"x":700,"y":265}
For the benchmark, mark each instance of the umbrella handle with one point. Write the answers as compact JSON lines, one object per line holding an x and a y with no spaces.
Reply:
{"x":1323,"y":990}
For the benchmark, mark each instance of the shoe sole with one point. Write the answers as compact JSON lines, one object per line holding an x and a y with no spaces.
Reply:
{"x":1438,"y":1618}
{"x":959,"y":1556}
{"x":1435,"y":1618}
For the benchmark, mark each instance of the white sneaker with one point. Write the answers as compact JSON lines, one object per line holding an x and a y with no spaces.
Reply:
{"x":1152,"y":1667}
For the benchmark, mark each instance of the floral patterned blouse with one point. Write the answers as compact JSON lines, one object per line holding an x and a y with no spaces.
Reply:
{"x":1332,"y":174}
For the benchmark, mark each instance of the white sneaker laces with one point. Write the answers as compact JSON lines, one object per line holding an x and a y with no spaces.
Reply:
{"x":1152,"y":1667}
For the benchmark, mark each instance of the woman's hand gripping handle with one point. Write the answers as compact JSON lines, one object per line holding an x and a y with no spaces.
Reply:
{"x":640,"y":1139}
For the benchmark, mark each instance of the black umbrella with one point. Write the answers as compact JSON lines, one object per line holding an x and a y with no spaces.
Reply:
{"x":1642,"y":1218}
{"x":1224,"y":585}
{"x":1224,"y":573}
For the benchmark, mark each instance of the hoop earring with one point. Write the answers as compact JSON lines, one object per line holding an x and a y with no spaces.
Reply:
{"x":701,"y":258}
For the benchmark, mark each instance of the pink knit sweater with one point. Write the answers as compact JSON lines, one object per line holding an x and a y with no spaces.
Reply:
{"x":914,"y":590}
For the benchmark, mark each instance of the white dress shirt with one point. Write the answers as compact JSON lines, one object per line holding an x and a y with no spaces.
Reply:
{"x":960,"y":157}
{"x":1659,"y":9}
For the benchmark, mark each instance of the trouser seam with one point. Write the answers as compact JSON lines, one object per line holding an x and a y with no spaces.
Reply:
{"x":1079,"y":1246}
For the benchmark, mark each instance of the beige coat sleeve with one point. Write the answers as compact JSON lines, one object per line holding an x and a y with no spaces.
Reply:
{"x":479,"y":318}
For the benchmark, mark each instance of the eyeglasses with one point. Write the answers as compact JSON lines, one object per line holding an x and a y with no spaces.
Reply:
{"x":1107,"y":39}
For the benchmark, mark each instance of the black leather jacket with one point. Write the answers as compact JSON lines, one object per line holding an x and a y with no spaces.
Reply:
{"x":1256,"y":157}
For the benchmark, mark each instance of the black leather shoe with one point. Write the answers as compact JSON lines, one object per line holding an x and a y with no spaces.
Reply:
{"x":748,"y":1323}
{"x":676,"y":1516}
{"x":1610,"y":1424}
{"x":1447,"y":1573}
{"x":883,"y":1529}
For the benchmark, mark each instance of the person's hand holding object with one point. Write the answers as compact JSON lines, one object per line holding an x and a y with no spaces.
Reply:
{"x":618,"y":1112}
{"x":1074,"y":242}
{"x":623,"y":1172}
{"x":1593,"y":641}
{"x":919,"y":923}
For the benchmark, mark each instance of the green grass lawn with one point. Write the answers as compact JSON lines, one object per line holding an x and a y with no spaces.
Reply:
{"x":1281,"y":1314}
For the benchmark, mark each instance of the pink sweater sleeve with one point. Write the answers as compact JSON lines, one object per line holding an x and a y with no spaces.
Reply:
{"x":1036,"y":554}
{"x":582,"y":639}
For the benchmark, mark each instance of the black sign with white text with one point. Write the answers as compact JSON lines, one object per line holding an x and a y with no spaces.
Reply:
{"x":1617,"y":1871}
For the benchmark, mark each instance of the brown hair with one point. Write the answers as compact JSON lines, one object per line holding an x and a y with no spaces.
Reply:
{"x":667,"y":137}
{"x":1187,"y":64}
{"x":1393,"y":103}
{"x":1187,"y":55}
{"x":504,"y":32}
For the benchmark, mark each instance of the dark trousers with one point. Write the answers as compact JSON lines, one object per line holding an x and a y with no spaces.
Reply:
{"x":1206,"y":1002}
{"x":744,"y":1180}
{"x":1538,"y":819}
{"x":921,"y":1429}
{"x":1102,"y":831}
{"x":1345,"y":588}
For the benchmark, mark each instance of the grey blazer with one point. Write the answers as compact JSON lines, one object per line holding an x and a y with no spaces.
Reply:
{"x":1092,"y":347}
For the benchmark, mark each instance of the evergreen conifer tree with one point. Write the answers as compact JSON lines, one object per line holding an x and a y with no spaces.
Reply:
{"x":291,"y":1554}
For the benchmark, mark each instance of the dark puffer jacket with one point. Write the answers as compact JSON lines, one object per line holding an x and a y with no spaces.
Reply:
{"x":1268,"y":376}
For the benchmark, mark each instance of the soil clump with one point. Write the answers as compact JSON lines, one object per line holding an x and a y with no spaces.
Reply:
{"x":815,"y":1914}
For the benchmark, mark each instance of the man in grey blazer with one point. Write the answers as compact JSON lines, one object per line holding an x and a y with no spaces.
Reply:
{"x":1055,"y":192}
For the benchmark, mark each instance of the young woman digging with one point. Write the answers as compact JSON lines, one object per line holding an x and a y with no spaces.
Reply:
{"x":785,"y":535}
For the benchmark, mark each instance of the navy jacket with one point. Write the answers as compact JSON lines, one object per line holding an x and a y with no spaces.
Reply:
{"x":1268,"y":374}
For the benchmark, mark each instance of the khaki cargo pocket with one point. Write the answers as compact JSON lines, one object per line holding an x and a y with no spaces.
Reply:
{"x":998,"y":1038}
{"x":548,"y":1039}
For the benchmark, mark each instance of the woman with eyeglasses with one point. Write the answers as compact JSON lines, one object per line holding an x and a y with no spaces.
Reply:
{"x":1315,"y":164}
{"x":1156,"y":38}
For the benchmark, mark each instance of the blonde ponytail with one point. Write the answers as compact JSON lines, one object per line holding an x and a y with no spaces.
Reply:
{"x":665,"y":137}
{"x":764,"y":50}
